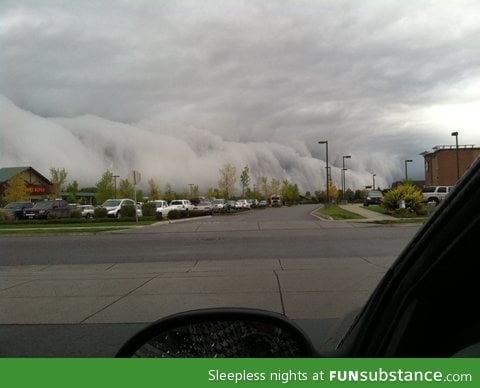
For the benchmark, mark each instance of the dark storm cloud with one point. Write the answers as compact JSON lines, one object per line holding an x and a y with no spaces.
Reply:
{"x":247,"y":82}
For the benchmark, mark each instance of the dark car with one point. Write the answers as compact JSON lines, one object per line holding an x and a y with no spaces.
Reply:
{"x":425,"y":305}
{"x":373,"y":197}
{"x":14,"y":210}
{"x":57,"y":208}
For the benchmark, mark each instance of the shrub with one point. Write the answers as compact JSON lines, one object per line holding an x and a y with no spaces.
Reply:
{"x":52,"y":216}
{"x":100,"y":212}
{"x":173,"y":215}
{"x":127,"y":211}
{"x":177,"y":214}
{"x":158,"y":216}
{"x":406,"y":192}
{"x":76,"y":214}
{"x":149,"y":209}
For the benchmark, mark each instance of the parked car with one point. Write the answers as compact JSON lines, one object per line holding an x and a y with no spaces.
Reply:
{"x":57,"y":208}
{"x":242,"y":204}
{"x":435,"y":193}
{"x":263,"y":203}
{"x":161,"y":207}
{"x":203,"y":207}
{"x":15,"y":210}
{"x":373,"y":197}
{"x":181,"y":204}
{"x":88,"y":211}
{"x":219,"y":205}
{"x":231,"y":206}
{"x":114,"y":206}
{"x":276,"y":201}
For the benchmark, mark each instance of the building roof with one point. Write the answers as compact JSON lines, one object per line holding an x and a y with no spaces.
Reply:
{"x":7,"y":173}
{"x":452,"y":147}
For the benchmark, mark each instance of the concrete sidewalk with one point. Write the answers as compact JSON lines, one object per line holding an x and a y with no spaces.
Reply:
{"x":319,"y":288}
{"x":369,"y":215}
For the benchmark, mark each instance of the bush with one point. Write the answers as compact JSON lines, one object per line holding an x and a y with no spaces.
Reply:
{"x":149,"y":209}
{"x":100,"y":212}
{"x":76,"y":214}
{"x":127,"y":211}
{"x":52,"y":216}
{"x":173,"y":214}
{"x":406,"y":192}
{"x":158,"y":216}
{"x":3,"y":216}
{"x":177,"y":214}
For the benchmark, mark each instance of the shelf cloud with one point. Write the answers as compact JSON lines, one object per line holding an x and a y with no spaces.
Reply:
{"x":178,"y":89}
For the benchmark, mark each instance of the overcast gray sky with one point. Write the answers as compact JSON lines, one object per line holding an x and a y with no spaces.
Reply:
{"x":176,"y":89}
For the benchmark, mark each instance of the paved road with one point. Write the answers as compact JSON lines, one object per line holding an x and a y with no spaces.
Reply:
{"x":84,"y":295}
{"x":261,"y":235}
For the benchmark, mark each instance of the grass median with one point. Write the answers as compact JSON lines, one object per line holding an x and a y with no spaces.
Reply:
{"x":70,"y":226}
{"x":337,"y":213}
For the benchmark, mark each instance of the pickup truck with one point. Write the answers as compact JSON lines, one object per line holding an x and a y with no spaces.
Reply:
{"x":435,"y":193}
{"x":161,"y":207}
{"x":57,"y":208}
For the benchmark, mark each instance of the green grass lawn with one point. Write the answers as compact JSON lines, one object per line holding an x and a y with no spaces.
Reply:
{"x":337,"y":213}
{"x":61,"y":226}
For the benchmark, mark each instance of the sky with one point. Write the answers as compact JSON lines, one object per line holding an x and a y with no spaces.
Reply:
{"x":177,"y":89}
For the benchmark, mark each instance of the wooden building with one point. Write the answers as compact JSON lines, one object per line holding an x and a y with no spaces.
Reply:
{"x":37,"y":186}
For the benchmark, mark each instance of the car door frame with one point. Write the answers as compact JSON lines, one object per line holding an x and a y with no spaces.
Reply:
{"x":380,"y":328}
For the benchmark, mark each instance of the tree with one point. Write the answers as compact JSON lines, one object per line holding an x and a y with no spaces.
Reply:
{"x":195,"y":191}
{"x":274,"y":187}
{"x":154,"y":190}
{"x":16,"y":189}
{"x":245,"y":179}
{"x":227,"y":180}
{"x":290,"y":192}
{"x":72,"y":190}
{"x":126,"y":189}
{"x":262,"y":184}
{"x":58,"y":178}
{"x":169,"y":194}
{"x":213,"y":192}
{"x":105,"y":187}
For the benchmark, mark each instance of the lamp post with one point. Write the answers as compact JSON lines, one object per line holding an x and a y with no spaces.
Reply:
{"x":326,"y":169}
{"x":115,"y":185}
{"x":406,"y":171}
{"x":344,"y":171}
{"x":456,"y":146}
{"x":373,"y":176}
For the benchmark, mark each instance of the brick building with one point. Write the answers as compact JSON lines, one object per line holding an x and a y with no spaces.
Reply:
{"x":441,"y":163}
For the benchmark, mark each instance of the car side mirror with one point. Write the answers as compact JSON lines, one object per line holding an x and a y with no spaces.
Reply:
{"x":212,"y":333}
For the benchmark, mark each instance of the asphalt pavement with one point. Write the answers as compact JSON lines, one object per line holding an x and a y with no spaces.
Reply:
{"x":135,"y":294}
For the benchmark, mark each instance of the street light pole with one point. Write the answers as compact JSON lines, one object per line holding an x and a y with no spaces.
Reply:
{"x":115,"y":185}
{"x":344,"y":171}
{"x":326,"y":169}
{"x":406,"y":171}
{"x":456,"y":146}
{"x":373,"y":176}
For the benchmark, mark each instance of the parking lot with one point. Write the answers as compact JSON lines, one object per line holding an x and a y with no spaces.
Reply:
{"x":282,"y":260}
